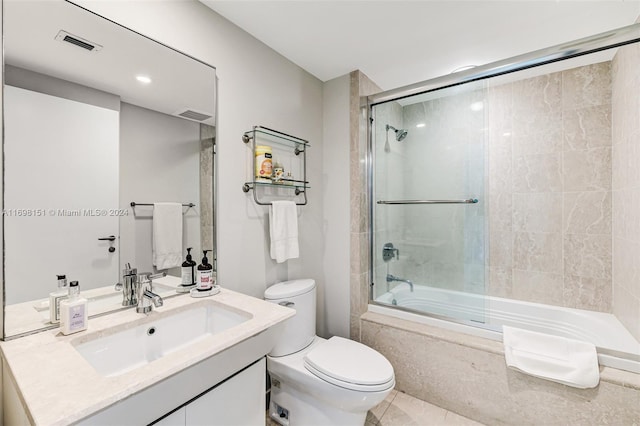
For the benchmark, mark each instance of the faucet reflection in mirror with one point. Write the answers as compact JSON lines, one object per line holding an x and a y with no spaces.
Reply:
{"x":84,"y":166}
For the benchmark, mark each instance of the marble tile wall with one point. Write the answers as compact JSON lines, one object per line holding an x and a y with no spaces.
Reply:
{"x":360,"y":85}
{"x":207,"y":138}
{"x":626,"y":187}
{"x":468,"y":376}
{"x":550,"y":189}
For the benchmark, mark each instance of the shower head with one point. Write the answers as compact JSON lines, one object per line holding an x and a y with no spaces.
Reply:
{"x":400,"y":133}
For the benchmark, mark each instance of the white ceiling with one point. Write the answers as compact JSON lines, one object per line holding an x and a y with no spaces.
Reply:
{"x":30,"y":28}
{"x":398,"y":42}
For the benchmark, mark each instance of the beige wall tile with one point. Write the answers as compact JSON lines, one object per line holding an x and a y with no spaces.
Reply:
{"x":626,"y":267}
{"x":589,"y":85}
{"x":587,"y":255}
{"x":593,"y":294}
{"x":537,"y":252}
{"x":537,"y":212}
{"x":500,"y":282}
{"x":542,"y":94}
{"x":626,"y":307}
{"x":537,"y":133}
{"x":586,"y":128}
{"x":587,"y":170}
{"x":500,"y":211}
{"x":587,"y":213}
{"x":501,"y":249}
{"x":539,"y":287}
{"x":537,"y":173}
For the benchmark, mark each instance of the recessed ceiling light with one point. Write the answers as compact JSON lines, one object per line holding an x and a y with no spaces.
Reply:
{"x":476,"y":106}
{"x":143,"y":79}
{"x":420,"y":125}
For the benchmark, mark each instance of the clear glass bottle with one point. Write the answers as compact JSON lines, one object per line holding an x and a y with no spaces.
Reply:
{"x":74,"y":316}
{"x":55,"y":297}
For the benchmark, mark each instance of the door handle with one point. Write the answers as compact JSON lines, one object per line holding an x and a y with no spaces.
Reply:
{"x":109,"y":238}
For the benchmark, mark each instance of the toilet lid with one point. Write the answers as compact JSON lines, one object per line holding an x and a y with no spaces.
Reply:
{"x":287,"y":289}
{"x":349,"y":364}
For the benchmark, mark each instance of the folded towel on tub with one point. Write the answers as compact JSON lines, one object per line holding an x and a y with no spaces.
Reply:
{"x":567,"y":361}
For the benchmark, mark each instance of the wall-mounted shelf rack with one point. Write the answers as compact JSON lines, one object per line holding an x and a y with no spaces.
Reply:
{"x":288,"y":151}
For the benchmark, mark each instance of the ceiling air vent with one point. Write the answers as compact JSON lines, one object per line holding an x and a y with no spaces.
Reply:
{"x":78,"y":41}
{"x":194,"y":115}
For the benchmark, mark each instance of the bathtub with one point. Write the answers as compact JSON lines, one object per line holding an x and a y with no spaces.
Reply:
{"x":484,"y":316}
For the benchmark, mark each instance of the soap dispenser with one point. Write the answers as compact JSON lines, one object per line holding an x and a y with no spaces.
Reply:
{"x":74,"y":316}
{"x":55,"y":297}
{"x":188,"y":274}
{"x":204,"y":281}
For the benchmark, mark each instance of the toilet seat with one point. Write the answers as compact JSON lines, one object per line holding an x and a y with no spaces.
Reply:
{"x":350,"y":365}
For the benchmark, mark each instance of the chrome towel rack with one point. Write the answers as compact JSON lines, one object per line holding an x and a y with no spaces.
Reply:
{"x":467,"y":201}
{"x":134,"y":204}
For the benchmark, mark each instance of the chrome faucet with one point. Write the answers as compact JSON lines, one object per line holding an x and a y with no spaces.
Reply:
{"x":144,"y":292}
{"x":391,"y":278}
{"x":128,"y":286}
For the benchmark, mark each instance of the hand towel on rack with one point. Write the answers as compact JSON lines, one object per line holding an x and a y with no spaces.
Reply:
{"x":567,"y":361}
{"x":167,"y":235}
{"x":283,"y":230}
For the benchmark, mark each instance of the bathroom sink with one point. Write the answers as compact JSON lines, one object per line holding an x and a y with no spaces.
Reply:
{"x":121,"y":351}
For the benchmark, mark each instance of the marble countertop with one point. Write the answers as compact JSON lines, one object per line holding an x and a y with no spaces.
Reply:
{"x":58,"y":386}
{"x":33,"y":315}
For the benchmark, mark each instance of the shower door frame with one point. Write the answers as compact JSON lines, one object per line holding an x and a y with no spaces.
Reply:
{"x":608,"y":40}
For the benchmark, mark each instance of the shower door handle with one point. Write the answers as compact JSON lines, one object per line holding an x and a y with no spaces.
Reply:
{"x":467,"y":201}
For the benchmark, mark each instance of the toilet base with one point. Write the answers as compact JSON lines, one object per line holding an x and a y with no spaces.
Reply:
{"x":289,"y":407}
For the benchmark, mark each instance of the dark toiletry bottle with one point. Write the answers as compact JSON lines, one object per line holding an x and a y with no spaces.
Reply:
{"x":188,"y":270}
{"x":205,"y":274}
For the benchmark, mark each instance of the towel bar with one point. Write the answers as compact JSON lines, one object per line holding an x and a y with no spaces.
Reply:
{"x":134,"y":204}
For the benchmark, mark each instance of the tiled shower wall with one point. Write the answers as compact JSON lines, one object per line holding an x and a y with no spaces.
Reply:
{"x":550,"y":189}
{"x":551,"y":204}
{"x":626,"y":187}
{"x":360,"y":85}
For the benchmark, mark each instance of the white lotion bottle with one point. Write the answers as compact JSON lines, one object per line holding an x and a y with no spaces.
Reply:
{"x":74,"y":316}
{"x":56,"y":297}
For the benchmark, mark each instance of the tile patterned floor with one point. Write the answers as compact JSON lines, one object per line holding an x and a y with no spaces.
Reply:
{"x":400,"y":409}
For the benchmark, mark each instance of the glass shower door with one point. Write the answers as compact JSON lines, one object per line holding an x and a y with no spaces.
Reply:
{"x":429,"y":202}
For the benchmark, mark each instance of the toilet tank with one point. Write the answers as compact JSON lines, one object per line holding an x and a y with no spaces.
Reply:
{"x":299,"y":330}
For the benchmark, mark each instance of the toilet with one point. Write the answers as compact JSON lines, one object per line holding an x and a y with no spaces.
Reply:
{"x":316,"y":381}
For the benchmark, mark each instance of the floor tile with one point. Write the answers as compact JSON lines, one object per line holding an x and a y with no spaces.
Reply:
{"x":375,"y":414}
{"x":405,"y":410}
{"x":453,"y":419}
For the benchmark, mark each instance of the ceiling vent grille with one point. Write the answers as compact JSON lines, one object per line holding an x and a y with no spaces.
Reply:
{"x":78,"y":41}
{"x":194,"y":115}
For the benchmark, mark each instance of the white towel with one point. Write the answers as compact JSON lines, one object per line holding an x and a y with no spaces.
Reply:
{"x":167,"y":235}
{"x":283,"y":230}
{"x":567,"y":361}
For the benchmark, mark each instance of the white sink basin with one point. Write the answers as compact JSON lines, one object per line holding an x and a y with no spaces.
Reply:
{"x":125,"y":350}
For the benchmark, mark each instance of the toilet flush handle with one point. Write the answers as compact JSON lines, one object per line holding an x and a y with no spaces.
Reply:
{"x":287,"y":304}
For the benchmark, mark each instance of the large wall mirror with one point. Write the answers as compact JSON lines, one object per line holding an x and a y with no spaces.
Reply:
{"x":96,"y":117}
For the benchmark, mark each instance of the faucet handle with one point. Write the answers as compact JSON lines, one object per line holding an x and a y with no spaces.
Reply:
{"x":147,"y":277}
{"x":118,"y":287}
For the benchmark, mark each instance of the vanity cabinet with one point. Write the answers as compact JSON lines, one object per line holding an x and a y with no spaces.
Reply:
{"x":238,"y":401}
